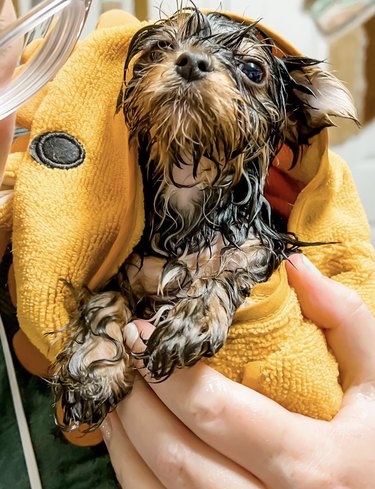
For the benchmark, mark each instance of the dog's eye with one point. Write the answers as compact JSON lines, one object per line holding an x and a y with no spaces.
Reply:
{"x":254,"y":71}
{"x":155,"y":55}
{"x":158,"y":50}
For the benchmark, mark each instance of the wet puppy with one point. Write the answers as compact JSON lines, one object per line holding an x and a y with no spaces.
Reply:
{"x":209,"y":104}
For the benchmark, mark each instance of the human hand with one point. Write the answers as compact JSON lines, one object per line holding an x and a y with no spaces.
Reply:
{"x":8,"y":61}
{"x":200,"y":430}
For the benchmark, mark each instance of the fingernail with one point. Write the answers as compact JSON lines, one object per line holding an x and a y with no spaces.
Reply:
{"x":308,"y":264}
{"x":131,"y":335}
{"x":106,"y":429}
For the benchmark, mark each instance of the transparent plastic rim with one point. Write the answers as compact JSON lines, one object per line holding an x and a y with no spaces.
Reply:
{"x":57,"y":47}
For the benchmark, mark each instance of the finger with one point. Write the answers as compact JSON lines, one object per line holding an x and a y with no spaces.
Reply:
{"x":8,"y":61}
{"x":131,"y":471}
{"x":9,"y":54}
{"x":235,"y":420}
{"x":349,"y":324}
{"x":174,"y":454}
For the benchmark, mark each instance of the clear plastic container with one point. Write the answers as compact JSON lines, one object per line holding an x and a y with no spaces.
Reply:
{"x":60,"y":22}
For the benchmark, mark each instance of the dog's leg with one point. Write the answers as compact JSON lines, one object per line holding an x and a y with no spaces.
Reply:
{"x":94,"y":371}
{"x":198,"y":324}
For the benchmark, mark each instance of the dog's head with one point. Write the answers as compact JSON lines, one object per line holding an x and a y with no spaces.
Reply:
{"x":204,"y":87}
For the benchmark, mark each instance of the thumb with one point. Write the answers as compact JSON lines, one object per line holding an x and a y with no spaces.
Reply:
{"x":135,"y":336}
{"x":8,"y":61}
{"x":10,"y":54}
{"x":349,"y":325}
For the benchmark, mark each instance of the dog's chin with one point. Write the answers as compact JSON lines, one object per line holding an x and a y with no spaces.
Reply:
{"x":189,"y":121}
{"x":184,"y":102}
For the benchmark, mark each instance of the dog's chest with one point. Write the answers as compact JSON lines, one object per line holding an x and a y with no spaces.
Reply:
{"x":187,"y":190}
{"x":184,"y":199}
{"x":181,"y":213}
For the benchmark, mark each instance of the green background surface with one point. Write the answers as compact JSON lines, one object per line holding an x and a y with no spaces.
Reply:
{"x":61,"y":464}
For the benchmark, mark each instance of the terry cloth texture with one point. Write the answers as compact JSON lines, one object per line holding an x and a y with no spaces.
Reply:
{"x":271,"y":346}
{"x":77,"y":203}
{"x":77,"y":225}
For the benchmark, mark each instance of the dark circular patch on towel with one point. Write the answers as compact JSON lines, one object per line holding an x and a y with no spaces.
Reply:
{"x":57,"y":150}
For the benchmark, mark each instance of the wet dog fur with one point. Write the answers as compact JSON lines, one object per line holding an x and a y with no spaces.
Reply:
{"x":209,"y":105}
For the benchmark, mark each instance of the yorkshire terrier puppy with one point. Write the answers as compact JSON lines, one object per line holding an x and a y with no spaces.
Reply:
{"x":209,"y":105}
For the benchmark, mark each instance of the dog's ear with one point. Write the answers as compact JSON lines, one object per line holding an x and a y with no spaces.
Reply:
{"x":314,"y":96}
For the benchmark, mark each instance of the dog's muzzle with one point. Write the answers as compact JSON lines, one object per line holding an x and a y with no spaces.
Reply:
{"x":193,"y":66}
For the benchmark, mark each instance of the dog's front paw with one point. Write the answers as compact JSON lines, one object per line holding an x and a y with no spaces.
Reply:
{"x":196,"y":327}
{"x":94,"y":371}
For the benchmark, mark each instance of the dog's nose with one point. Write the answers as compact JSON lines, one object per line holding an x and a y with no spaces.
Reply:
{"x":193,"y":66}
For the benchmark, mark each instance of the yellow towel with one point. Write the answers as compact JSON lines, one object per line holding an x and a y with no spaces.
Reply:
{"x":69,"y":223}
{"x":78,"y":225}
